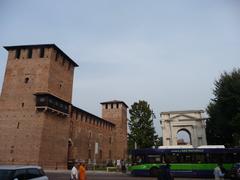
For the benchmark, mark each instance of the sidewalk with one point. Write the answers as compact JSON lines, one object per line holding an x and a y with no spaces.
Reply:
{"x":88,"y":171}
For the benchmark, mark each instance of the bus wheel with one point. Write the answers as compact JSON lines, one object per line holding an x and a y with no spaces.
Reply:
{"x":154,"y":171}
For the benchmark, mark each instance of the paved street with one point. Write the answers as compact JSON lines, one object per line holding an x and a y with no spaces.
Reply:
{"x":65,"y":175}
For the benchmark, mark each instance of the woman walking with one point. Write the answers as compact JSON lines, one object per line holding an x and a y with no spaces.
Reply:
{"x":82,"y":172}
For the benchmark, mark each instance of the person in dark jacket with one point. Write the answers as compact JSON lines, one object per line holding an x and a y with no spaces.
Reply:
{"x":164,"y":172}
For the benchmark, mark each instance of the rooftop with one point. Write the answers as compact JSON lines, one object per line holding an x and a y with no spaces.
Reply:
{"x":92,"y":115}
{"x":114,"y":102}
{"x":44,"y":46}
{"x":181,"y":112}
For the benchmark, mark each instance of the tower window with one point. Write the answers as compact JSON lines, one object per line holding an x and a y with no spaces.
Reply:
{"x":26,"y":80}
{"x":29,"y":53}
{"x":111,"y":106}
{"x":106,"y":106}
{"x":41,"y":52}
{"x":17,"y":54}
{"x":117,"y":105}
{"x":61,"y":84}
{"x":18,"y":125}
{"x":90,"y":135}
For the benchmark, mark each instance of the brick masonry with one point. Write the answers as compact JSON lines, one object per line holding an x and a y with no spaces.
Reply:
{"x":47,"y":134}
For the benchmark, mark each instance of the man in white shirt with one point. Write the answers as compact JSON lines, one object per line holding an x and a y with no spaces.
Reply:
{"x":118,"y":165}
{"x":218,"y":174}
{"x":74,"y":172}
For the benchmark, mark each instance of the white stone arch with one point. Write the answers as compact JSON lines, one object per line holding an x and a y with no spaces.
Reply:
{"x":191,"y":121}
{"x":188,"y":133}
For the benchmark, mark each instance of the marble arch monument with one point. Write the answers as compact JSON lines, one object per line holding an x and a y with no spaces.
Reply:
{"x":190,"y":121}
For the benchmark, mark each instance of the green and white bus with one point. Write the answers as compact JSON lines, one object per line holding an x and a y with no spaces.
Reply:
{"x":184,"y":162}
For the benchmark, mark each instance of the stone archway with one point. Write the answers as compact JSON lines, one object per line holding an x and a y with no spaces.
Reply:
{"x":184,"y":137}
{"x":191,"y":122}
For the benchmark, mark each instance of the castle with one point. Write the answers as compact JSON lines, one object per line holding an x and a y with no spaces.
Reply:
{"x":39,"y":124}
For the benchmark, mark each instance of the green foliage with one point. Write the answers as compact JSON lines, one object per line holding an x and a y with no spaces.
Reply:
{"x":142,"y":132}
{"x":223,"y":125}
{"x":159,"y":141}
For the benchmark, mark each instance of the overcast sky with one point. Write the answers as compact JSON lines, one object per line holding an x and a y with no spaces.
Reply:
{"x":168,"y":53}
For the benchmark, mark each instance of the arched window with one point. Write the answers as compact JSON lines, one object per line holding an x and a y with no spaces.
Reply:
{"x":26,"y":80}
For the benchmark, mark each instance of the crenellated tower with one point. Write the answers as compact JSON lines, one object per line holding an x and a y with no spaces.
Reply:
{"x":116,"y":112}
{"x":39,"y":124}
{"x":35,"y":105}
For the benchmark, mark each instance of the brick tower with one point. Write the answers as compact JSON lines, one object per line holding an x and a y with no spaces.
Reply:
{"x":116,"y":112}
{"x":35,"y":106}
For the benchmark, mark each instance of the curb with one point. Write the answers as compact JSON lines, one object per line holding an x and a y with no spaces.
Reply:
{"x":88,"y":172}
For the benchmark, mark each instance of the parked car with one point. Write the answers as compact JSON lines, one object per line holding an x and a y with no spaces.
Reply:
{"x":13,"y":172}
{"x":234,"y":173}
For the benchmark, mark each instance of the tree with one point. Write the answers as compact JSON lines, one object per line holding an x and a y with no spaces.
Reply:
{"x":223,"y":125}
{"x":142,"y":133}
{"x":159,"y":141}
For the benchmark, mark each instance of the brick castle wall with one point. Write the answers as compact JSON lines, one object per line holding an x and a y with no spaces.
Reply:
{"x":46,"y":134}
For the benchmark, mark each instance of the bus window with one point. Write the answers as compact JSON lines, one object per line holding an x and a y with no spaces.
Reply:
{"x":207,"y":158}
{"x":199,"y":158}
{"x":188,"y":158}
{"x":215,"y":158}
{"x":236,"y":157}
{"x":138,"y":159}
{"x":179,"y":157}
{"x":228,"y":158}
{"x":232,"y":157}
{"x":154,"y":159}
{"x":173,"y":158}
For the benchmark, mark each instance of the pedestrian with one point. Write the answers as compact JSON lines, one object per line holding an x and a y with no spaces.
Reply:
{"x":123,"y":166}
{"x":82,"y":171}
{"x":224,"y":171}
{"x":118,"y":165}
{"x":164,"y":173}
{"x":74,"y":172}
{"x":218,"y":174}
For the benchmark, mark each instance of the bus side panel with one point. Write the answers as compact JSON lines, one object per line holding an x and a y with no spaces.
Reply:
{"x":140,"y":173}
{"x":181,"y":169}
{"x":196,"y":170}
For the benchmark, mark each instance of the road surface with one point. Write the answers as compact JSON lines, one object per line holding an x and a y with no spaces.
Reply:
{"x":65,"y":175}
